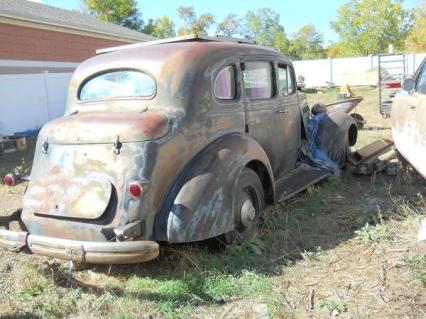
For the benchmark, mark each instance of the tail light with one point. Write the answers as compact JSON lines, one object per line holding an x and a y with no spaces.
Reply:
{"x":393,"y":85}
{"x":10,"y":179}
{"x":135,"y":189}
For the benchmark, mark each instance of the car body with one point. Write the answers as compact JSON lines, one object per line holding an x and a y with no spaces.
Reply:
{"x":409,"y":120}
{"x":170,"y":141}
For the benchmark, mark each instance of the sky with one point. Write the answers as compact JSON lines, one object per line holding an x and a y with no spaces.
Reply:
{"x":293,"y":14}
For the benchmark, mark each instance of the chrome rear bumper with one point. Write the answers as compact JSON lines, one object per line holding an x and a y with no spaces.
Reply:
{"x":121,"y":252}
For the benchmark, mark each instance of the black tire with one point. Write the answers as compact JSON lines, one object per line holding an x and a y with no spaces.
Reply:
{"x":248,"y":205}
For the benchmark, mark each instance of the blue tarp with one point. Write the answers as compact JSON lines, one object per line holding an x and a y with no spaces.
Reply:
{"x":26,"y":133}
{"x":311,"y":153}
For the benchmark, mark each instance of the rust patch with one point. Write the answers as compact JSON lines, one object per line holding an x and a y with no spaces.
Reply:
{"x":104,"y":127}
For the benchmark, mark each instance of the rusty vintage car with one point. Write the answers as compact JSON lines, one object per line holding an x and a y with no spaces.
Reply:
{"x":175,"y":141}
{"x":408,"y":118}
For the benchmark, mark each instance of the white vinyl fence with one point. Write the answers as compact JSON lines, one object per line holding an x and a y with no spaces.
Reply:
{"x":27,"y":101}
{"x":352,"y":71}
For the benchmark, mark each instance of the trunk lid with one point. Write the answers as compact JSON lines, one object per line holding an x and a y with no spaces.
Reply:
{"x":65,"y":197}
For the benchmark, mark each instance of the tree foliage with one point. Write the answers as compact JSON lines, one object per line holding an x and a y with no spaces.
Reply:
{"x":416,"y":40}
{"x":230,"y":26}
{"x":369,"y":26}
{"x":161,"y":28}
{"x":121,"y":12}
{"x":306,"y":43}
{"x":193,"y":24}
{"x":264,"y":27}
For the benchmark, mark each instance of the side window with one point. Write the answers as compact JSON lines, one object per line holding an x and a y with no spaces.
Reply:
{"x":224,"y":84}
{"x":258,"y":83}
{"x":421,"y":82}
{"x":285,"y":78}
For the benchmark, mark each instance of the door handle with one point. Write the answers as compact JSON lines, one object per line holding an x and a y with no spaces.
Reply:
{"x":413,"y":107}
{"x":282,"y":110}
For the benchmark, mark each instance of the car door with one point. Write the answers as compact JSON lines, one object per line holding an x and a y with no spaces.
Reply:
{"x":409,"y":122}
{"x":263,"y":107}
{"x":289,"y":118}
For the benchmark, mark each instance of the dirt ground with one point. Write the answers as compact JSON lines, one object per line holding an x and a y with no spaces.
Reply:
{"x":345,"y":248}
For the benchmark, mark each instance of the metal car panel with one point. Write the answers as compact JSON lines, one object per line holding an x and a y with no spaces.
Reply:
{"x":409,"y":128}
{"x":68,"y":197}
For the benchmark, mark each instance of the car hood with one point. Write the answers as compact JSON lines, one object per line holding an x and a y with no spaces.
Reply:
{"x":106,"y":127}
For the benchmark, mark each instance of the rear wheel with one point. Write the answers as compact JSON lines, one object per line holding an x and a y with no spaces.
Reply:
{"x":248,"y":205}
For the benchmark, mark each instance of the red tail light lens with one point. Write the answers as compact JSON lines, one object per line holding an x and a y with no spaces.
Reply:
{"x":393,"y":85}
{"x":9,"y":180}
{"x":135,"y":189}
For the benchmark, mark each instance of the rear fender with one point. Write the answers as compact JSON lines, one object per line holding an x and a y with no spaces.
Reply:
{"x":338,"y":133}
{"x":200,"y":203}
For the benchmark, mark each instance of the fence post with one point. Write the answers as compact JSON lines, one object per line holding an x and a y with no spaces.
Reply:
{"x":414,"y":63}
{"x":46,"y":92}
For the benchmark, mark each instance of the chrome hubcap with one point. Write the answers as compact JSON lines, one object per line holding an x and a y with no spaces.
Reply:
{"x":248,"y":213}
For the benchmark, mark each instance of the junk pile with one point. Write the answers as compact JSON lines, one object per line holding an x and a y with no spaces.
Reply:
{"x":12,"y":144}
{"x":347,"y":103}
{"x":317,"y":151}
{"x":378,"y":156}
{"x":16,"y":142}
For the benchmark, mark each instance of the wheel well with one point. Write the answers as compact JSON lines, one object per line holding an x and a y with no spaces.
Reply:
{"x":265,"y":179}
{"x":352,"y":134}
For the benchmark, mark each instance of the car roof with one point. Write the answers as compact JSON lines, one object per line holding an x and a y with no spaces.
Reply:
{"x":192,"y":45}
{"x":173,"y":62}
{"x":185,"y":38}
{"x":182,"y":54}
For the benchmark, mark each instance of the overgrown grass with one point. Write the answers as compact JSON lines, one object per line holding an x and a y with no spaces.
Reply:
{"x":333,"y":303}
{"x":168,"y":296}
{"x":417,"y":264}
{"x":39,"y":295}
{"x":374,"y":233}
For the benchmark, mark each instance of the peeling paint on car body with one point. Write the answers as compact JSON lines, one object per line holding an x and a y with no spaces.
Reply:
{"x":185,"y":147}
{"x":408,"y":118}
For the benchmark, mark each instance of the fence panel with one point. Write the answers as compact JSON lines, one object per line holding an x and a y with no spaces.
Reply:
{"x":352,"y":71}
{"x":27,"y":101}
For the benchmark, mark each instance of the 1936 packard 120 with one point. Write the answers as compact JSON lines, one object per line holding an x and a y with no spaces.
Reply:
{"x":175,"y":141}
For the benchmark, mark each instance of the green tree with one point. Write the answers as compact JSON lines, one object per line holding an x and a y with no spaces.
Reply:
{"x":193,"y":24}
{"x":149,"y":28}
{"x":230,"y":26}
{"x":121,"y":12}
{"x":161,"y":28}
{"x":416,"y":40}
{"x":369,"y":26}
{"x":307,"y":43}
{"x":335,"y":50}
{"x":264,"y":27}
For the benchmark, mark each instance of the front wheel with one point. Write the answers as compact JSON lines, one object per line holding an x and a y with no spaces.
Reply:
{"x":248,"y":205}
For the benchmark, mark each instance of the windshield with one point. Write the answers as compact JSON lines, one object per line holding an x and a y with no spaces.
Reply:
{"x":118,"y":84}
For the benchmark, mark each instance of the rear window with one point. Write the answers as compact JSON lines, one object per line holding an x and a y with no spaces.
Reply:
{"x":224,"y":84}
{"x":118,"y":84}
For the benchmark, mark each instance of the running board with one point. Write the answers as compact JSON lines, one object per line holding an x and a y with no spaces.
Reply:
{"x":297,"y":181}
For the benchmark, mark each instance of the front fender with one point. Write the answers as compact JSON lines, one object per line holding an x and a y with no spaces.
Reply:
{"x":200,"y":203}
